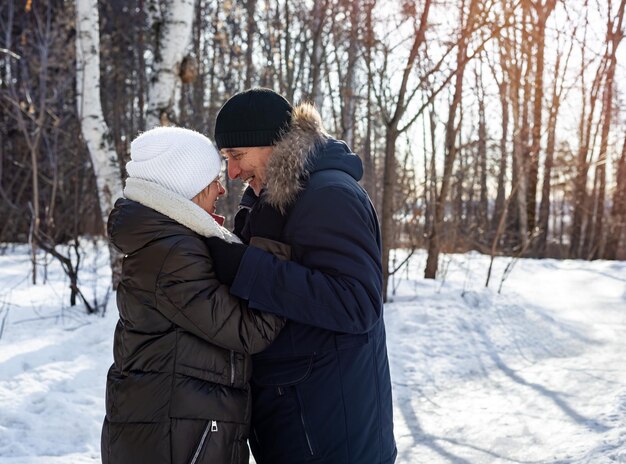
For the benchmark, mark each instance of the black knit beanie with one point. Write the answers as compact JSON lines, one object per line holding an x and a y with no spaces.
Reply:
{"x":252,"y":118}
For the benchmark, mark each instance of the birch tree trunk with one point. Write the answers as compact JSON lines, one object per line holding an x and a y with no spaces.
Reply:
{"x":172,"y":41}
{"x":94,"y":129}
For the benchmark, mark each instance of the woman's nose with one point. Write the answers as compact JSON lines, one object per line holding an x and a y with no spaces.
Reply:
{"x":220,"y":189}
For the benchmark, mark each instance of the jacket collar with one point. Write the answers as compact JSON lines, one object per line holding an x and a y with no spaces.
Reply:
{"x":290,"y":163}
{"x":176,"y":207}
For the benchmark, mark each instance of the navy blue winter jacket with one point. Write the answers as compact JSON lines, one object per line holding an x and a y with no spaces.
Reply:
{"x":322,"y":390}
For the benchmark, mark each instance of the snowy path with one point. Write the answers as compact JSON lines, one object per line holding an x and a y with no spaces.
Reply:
{"x":536,"y":374}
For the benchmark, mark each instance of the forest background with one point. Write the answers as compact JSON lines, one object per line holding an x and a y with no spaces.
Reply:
{"x":493,"y":125}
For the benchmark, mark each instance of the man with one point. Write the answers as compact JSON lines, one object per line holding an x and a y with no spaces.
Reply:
{"x":322,"y":391}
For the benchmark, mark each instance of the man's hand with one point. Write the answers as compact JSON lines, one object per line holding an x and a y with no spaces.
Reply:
{"x":248,"y":200}
{"x":226,"y":258}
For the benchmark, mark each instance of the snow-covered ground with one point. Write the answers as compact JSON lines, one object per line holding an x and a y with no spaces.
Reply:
{"x":535,"y":374}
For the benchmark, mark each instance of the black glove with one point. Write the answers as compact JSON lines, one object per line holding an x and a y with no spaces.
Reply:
{"x":248,"y":200}
{"x":226,"y":258}
{"x":266,"y":221}
{"x":241,"y":228}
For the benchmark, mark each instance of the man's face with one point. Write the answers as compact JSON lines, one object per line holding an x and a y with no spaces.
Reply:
{"x":248,"y":164}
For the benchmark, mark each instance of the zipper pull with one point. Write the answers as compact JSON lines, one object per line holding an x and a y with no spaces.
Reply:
{"x":232,"y":367}
{"x":213,"y":426}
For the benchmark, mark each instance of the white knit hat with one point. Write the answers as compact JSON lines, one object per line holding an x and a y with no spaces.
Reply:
{"x":181,"y":160}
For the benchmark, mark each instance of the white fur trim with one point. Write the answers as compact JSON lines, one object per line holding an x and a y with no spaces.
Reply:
{"x":287,"y":167}
{"x":176,"y":207}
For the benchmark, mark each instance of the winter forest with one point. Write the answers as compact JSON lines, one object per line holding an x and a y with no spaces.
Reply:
{"x":493,"y":139}
{"x":494,"y":126}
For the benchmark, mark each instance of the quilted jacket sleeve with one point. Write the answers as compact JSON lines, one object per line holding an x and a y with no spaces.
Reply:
{"x":189,"y":294}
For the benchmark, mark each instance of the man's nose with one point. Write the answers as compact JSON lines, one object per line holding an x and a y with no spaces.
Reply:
{"x":233,"y":169}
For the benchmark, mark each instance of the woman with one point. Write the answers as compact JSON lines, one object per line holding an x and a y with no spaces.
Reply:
{"x":178,"y":390}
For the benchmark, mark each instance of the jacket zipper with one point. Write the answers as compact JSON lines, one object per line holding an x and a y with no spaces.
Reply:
{"x":306,"y":434}
{"x":232,"y":367}
{"x":211,"y":426}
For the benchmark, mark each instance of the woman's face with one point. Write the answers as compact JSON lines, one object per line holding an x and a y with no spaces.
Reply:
{"x":207,"y":198}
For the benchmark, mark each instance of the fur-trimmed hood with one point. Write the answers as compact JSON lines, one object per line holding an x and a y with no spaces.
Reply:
{"x":129,"y":229}
{"x":303,"y":149}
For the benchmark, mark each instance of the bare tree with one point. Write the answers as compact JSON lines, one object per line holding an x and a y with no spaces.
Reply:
{"x":31,"y":119}
{"x":369,"y":177}
{"x":614,"y":36}
{"x":481,"y":152}
{"x":468,"y":21}
{"x":546,"y":189}
{"x":588,"y":108}
{"x":521,"y":110}
{"x":488,"y":147}
{"x":348,"y":82}
{"x":392,"y":116}
{"x":617,"y":222}
{"x":317,"y":22}
{"x":250,"y":31}
{"x":504,"y":152}
{"x":543,"y":9}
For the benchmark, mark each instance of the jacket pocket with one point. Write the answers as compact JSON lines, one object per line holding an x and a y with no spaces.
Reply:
{"x":348,"y":341}
{"x":281,"y":428}
{"x":281,"y":371}
{"x":281,"y":431}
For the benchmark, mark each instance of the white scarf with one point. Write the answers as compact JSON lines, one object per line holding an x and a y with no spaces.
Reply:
{"x":176,"y":207}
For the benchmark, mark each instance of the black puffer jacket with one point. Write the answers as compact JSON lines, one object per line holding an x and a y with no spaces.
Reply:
{"x":178,"y":390}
